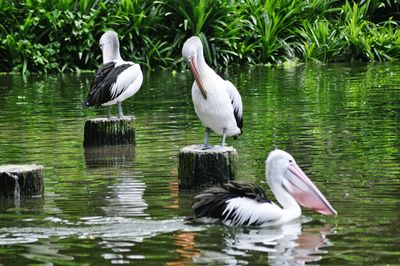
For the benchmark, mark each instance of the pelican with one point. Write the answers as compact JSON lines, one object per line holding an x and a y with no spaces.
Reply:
{"x":246,"y":204}
{"x":216,"y":101}
{"x":116,"y":80}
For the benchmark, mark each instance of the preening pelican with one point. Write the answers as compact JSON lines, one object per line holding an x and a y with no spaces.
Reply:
{"x":245,"y":204}
{"x":216,"y":101}
{"x":116,"y":80}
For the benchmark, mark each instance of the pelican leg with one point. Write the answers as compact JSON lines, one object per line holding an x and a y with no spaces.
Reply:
{"x":121,"y":115}
{"x":223,"y":137}
{"x":109,"y":113}
{"x":206,"y":145}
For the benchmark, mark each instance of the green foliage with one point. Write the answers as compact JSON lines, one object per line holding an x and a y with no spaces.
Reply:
{"x":319,"y":41}
{"x":385,"y":41}
{"x":267,"y":24}
{"x":216,"y":22}
{"x":354,"y":31}
{"x":62,"y":35}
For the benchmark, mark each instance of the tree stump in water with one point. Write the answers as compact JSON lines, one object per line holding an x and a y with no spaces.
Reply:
{"x":201,"y":168}
{"x":114,"y":131}
{"x":21,"y":180}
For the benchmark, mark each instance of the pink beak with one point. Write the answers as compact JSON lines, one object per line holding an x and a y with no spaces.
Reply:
{"x":305,"y":192}
{"x":195,"y":71}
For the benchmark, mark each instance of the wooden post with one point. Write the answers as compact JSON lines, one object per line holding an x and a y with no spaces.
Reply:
{"x":201,"y":168}
{"x":21,"y":180}
{"x":104,"y":131}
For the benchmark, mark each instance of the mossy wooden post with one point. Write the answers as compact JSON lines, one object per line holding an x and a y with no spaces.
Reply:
{"x":201,"y":168}
{"x":21,"y":180}
{"x":104,"y":131}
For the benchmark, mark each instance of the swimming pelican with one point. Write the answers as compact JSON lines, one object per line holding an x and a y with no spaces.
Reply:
{"x":216,"y":101}
{"x":116,"y":80}
{"x":246,"y":204}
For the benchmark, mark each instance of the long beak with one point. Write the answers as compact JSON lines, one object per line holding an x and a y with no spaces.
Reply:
{"x":305,"y":192}
{"x":195,"y":71}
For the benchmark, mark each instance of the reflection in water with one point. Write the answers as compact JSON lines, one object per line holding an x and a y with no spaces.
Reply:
{"x":185,"y":241}
{"x":44,"y":251}
{"x":117,"y":237}
{"x":283,"y":245}
{"x":125,"y":193}
{"x":125,"y":198}
{"x":33,"y":204}
{"x":109,"y":156}
{"x":174,"y":188}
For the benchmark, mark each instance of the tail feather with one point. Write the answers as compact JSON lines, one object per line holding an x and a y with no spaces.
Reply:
{"x":235,"y":137}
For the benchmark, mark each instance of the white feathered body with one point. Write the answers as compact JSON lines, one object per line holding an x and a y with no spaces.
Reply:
{"x":249,"y":211}
{"x":215,"y":112}
{"x":127,"y":83}
{"x":116,"y":79}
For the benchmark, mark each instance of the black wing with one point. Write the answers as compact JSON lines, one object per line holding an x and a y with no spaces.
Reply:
{"x":236,"y":101}
{"x":103,"y":80}
{"x":213,"y":201}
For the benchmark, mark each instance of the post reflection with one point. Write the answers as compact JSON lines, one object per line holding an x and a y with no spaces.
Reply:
{"x":124,"y":193}
{"x":109,"y":156}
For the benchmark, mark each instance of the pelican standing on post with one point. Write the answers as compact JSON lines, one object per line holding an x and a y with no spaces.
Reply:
{"x":216,"y":101}
{"x":116,"y":80}
{"x":246,"y":204}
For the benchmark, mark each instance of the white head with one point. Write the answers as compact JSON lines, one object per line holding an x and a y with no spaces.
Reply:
{"x":282,"y":170}
{"x":192,"y":47}
{"x":192,"y":52}
{"x":109,"y":45}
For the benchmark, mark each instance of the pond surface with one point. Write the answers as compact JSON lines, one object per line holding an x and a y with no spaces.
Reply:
{"x":122,"y":204}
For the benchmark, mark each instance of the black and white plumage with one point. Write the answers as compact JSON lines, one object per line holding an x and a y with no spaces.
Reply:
{"x":214,"y":202}
{"x":246,"y":204}
{"x":217,"y":102}
{"x":116,"y":80}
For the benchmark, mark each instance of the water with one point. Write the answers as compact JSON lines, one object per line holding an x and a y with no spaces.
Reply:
{"x":122,"y":205}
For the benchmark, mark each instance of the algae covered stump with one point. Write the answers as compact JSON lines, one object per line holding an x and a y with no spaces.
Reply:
{"x":201,"y":168}
{"x":21,"y":180}
{"x":105,"y":131}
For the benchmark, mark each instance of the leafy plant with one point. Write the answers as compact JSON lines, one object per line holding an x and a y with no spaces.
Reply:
{"x":385,"y":41}
{"x":63,"y":35}
{"x":353,"y":31}
{"x":319,"y":41}
{"x":267,"y":25}
{"x":214,"y":21}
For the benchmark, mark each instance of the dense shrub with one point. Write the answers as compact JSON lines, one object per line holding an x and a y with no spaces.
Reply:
{"x":62,"y":35}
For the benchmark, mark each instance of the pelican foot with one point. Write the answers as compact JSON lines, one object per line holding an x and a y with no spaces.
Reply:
{"x":207,"y":147}
{"x":110,"y":117}
{"x":204,"y":147}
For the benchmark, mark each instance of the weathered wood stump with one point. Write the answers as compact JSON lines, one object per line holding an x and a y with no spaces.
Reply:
{"x":21,"y":180}
{"x":201,"y":168}
{"x":114,"y":131}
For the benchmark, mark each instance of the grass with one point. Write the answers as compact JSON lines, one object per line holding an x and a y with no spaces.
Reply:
{"x":62,"y":35}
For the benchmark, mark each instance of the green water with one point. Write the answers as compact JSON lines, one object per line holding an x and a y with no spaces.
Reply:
{"x":122,"y":204}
